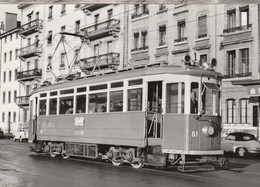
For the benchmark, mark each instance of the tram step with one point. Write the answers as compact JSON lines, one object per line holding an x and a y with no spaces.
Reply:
{"x":193,"y":168}
{"x":156,"y":160}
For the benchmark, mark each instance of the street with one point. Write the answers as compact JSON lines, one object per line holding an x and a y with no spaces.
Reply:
{"x":19,"y":167}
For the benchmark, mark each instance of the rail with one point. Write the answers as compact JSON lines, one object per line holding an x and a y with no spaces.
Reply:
{"x":29,"y":73}
{"x":240,"y":28}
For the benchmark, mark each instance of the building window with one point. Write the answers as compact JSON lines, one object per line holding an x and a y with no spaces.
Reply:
{"x":63,"y":9}
{"x":136,"y":40}
{"x":17,"y":35}
{"x":109,"y":14}
{"x":49,"y":37}
{"x":14,"y":117}
{"x":231,"y":60}
{"x":109,"y":47}
{"x":202,"y":26}
{"x":9,"y":97}
{"x":231,"y":108}
{"x":16,"y":54}
{"x":4,"y":76}
{"x":244,"y":61}
{"x":11,"y":37}
{"x":3,"y":97}
{"x":62,"y":29}
{"x":5,"y":56}
{"x":96,"y":17}
{"x":162,"y":35}
{"x":5,"y":39}
{"x":203,"y":58}
{"x":77,"y":5}
{"x":28,"y":41}
{"x":10,"y":75}
{"x":244,"y":110}
{"x":62,"y":60}
{"x":10,"y":56}
{"x":96,"y":50}
{"x":3,"y":117}
{"x":36,"y":64}
{"x":244,"y":16}
{"x":15,"y":95}
{"x":15,"y":74}
{"x":77,"y":26}
{"x":50,"y":12}
{"x":162,"y":7}
{"x":144,"y":39}
{"x":231,"y":19}
{"x":181,"y":31}
{"x":37,"y":15}
{"x":37,"y":41}
{"x":49,"y":66}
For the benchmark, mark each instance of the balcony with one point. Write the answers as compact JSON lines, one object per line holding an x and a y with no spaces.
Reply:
{"x":235,"y":29}
{"x":140,"y":49}
{"x":31,"y":27}
{"x":180,"y":40}
{"x":236,"y":75}
{"x":22,"y":101}
{"x":109,"y":60}
{"x":137,"y":15}
{"x":92,"y":7}
{"x":29,"y":74}
{"x":30,"y":51}
{"x":102,"y":29}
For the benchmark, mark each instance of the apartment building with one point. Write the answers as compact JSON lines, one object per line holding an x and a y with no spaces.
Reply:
{"x":9,"y":65}
{"x":105,"y":37}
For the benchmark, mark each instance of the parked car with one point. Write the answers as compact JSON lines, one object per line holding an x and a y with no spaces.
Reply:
{"x":1,"y":133}
{"x":240,"y":143}
{"x":21,"y":134}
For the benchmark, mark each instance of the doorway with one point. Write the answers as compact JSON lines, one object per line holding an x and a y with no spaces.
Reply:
{"x":154,"y":110}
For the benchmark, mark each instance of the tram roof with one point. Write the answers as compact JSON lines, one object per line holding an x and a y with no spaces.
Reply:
{"x":131,"y":73}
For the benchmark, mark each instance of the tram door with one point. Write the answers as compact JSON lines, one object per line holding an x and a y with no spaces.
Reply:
{"x":33,"y":118}
{"x":154,"y":110}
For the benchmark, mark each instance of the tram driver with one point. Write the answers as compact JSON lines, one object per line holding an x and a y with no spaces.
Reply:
{"x":193,"y":103}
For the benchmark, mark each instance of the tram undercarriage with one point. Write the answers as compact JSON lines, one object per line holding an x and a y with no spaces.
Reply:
{"x":136,"y":157}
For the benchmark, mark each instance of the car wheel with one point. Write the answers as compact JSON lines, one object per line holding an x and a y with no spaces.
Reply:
{"x":241,"y":152}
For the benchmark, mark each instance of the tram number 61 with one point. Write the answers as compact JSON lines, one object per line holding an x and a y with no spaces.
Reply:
{"x":195,"y":134}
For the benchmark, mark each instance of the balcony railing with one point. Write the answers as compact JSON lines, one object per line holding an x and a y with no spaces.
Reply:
{"x":29,"y":51}
{"x":240,"y":28}
{"x":140,"y":49}
{"x":29,"y":74}
{"x":102,"y":29}
{"x":109,"y":60}
{"x":92,"y":7}
{"x":247,"y":74}
{"x":137,"y":15}
{"x":180,"y":39}
{"x":31,"y":27}
{"x":22,"y":101}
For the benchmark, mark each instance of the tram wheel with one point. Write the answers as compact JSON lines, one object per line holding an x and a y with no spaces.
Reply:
{"x":116,"y":163}
{"x":137,"y":165}
{"x":53,"y":154}
{"x":65,"y":156}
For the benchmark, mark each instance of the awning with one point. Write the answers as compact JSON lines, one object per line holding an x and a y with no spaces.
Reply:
{"x":211,"y":86}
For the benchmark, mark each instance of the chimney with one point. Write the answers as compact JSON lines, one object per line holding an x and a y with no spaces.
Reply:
{"x":10,"y":21}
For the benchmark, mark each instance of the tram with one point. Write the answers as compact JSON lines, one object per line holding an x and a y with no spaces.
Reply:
{"x":163,"y":115}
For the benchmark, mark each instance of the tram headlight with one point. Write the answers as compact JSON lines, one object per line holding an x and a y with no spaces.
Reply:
{"x":208,"y":130}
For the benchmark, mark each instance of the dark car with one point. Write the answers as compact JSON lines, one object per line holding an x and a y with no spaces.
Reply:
{"x":1,"y":133}
{"x":240,"y":143}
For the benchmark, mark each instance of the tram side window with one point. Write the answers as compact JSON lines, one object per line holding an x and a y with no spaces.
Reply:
{"x":42,"y":110}
{"x":66,"y":105}
{"x":97,"y":102}
{"x":175,"y":98}
{"x":194,"y":91}
{"x":53,"y":106}
{"x":81,"y":104}
{"x":116,"y":101}
{"x":135,"y":99}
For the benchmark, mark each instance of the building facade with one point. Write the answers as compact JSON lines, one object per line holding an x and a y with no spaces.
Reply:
{"x":9,"y":65}
{"x":99,"y":38}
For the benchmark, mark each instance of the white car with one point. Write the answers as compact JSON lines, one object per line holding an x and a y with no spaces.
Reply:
{"x":21,"y":134}
{"x":241,"y":144}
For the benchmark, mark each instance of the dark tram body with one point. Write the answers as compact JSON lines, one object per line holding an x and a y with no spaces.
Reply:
{"x":142,"y":117}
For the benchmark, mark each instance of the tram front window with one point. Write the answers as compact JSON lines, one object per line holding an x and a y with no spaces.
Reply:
{"x":53,"y":106}
{"x":210,"y":99}
{"x":81,"y":104}
{"x":193,"y":98}
{"x":42,"y":110}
